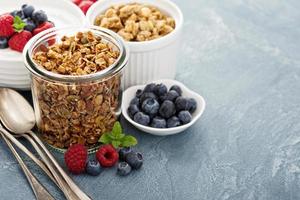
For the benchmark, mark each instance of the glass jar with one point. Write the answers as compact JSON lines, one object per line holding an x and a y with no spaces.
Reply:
{"x":75,"y":109}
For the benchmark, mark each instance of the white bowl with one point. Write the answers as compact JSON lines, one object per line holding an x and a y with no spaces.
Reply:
{"x":129,"y":94}
{"x":61,"y":12}
{"x":149,"y":60}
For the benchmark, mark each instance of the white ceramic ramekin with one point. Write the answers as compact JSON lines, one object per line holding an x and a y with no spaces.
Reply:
{"x":149,"y":60}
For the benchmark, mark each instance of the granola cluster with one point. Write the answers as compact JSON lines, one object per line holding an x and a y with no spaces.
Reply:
{"x":136,"y":22}
{"x":82,"y":54}
{"x":76,"y":113}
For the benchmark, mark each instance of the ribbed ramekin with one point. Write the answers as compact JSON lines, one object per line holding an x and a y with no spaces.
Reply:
{"x":149,"y":60}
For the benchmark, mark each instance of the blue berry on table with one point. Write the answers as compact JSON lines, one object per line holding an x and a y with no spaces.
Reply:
{"x":30,"y":25}
{"x":182,"y":103}
{"x":185,"y":116}
{"x":139,"y":93}
{"x":135,"y":101}
{"x":167,"y":109}
{"x":133,"y":109}
{"x":3,"y":43}
{"x":123,"y":152}
{"x":160,"y":89}
{"x":27,"y":10}
{"x":150,"y":87}
{"x":150,"y":106}
{"x":173,"y":122}
{"x":147,"y":95}
{"x":93,"y":168}
{"x":171,"y":96}
{"x":158,"y":122}
{"x":39,"y":16}
{"x":141,"y":118}
{"x":192,"y":105}
{"x":135,"y":160}
{"x":123,"y":169}
{"x":177,"y":89}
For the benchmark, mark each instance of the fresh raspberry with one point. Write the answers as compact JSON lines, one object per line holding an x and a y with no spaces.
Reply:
{"x":107,"y":155}
{"x":18,"y":41}
{"x":6,"y":25}
{"x":85,"y":5}
{"x":76,"y":158}
{"x":42,"y":27}
{"x":77,"y":2}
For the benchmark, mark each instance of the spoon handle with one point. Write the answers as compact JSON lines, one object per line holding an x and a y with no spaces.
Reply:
{"x":39,"y":190}
{"x":69,"y":181}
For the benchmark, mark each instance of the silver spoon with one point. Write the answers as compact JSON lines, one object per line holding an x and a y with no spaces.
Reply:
{"x":17,"y":116}
{"x":39,"y":190}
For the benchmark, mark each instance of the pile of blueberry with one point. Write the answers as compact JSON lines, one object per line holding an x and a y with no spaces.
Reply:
{"x":157,"y":107}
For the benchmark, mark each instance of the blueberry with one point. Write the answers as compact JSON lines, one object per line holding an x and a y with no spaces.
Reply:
{"x":39,"y":16}
{"x":185,"y":116}
{"x":147,"y":95}
{"x":173,"y":122}
{"x":132,"y":110}
{"x":18,"y":13}
{"x":14,"y":13}
{"x":171,"y":96}
{"x":93,"y":167}
{"x":158,"y":122}
{"x":123,"y":169}
{"x":177,"y":89}
{"x":27,"y":10}
{"x":30,"y":25}
{"x":182,"y":103}
{"x":150,"y":87}
{"x":192,"y":105}
{"x":3,"y":42}
{"x":167,"y":109}
{"x":123,"y":152}
{"x":139,"y":93}
{"x":135,"y":160}
{"x":135,"y":101}
{"x":150,"y":106}
{"x":142,"y":118}
{"x":160,"y":89}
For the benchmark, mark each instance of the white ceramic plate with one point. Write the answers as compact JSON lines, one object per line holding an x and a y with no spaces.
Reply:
{"x":61,"y":12}
{"x":129,"y":94}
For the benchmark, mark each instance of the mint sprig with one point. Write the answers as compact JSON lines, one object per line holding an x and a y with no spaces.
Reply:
{"x":117,"y":138}
{"x":18,"y":24}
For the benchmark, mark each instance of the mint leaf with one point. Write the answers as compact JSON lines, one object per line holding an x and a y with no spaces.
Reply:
{"x":105,"y":139}
{"x":18,"y":24}
{"x":116,"y":131}
{"x":116,"y":143}
{"x":128,"y":141}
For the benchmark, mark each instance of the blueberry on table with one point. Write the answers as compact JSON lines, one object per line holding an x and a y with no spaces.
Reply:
{"x":30,"y":25}
{"x":182,"y":103}
{"x":132,"y":110}
{"x":93,"y":167}
{"x":167,"y":109}
{"x":135,"y":160}
{"x":3,"y":43}
{"x":185,"y":116}
{"x":160,"y":89}
{"x":192,"y":105}
{"x":173,"y":122}
{"x":147,"y":95}
{"x":123,"y":169}
{"x":141,"y":118}
{"x":150,"y":87}
{"x":158,"y":122}
{"x":139,"y":93}
{"x":177,"y":89}
{"x":171,"y":95}
{"x":39,"y":16}
{"x":27,"y":10}
{"x":123,"y":152}
{"x":135,"y":101}
{"x":150,"y":106}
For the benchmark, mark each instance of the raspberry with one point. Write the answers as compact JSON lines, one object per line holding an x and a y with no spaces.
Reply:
{"x":42,"y":27}
{"x":85,"y":5}
{"x":76,"y":158}
{"x":107,"y":155}
{"x":6,"y":25}
{"x":18,"y":41}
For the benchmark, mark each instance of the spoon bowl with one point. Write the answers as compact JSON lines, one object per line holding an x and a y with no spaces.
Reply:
{"x":16,"y":113}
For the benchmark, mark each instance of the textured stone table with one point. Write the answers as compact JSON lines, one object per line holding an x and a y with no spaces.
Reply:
{"x":243,"y":57}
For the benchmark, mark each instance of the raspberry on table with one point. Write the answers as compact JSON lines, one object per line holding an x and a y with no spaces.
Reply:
{"x":75,"y":158}
{"x":107,"y":155}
